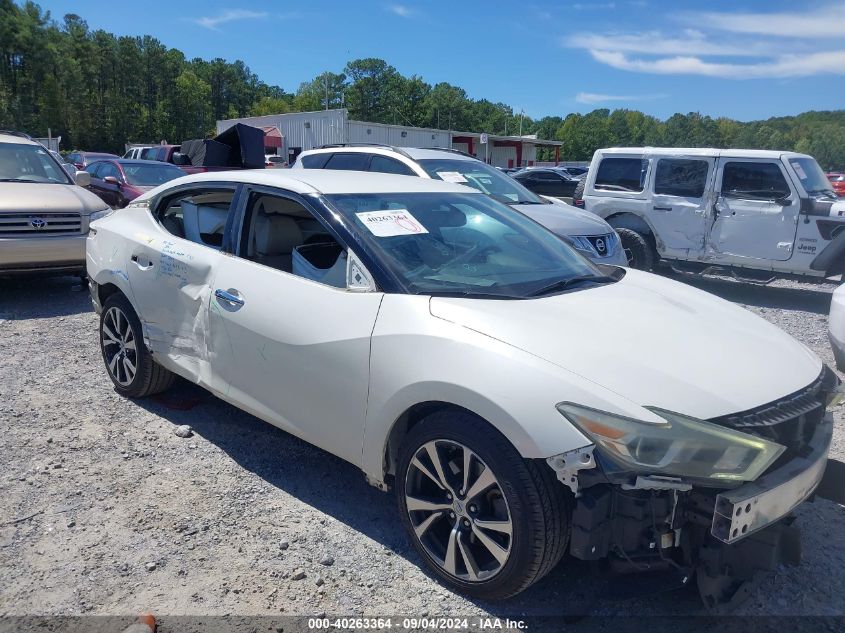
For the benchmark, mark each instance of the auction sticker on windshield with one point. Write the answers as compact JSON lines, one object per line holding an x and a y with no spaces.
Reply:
{"x":391,"y":223}
{"x":451,"y":176}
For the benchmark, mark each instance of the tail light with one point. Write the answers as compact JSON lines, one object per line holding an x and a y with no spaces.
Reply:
{"x":579,"y":202}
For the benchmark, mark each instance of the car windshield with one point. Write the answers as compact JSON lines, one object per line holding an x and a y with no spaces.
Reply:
{"x":462,"y":245}
{"x":480,"y":176}
{"x":29,"y":163}
{"x":150,"y":175}
{"x":811,"y":175}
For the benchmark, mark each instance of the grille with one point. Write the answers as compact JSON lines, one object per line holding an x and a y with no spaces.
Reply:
{"x":603,"y":245}
{"x":789,"y":421}
{"x":32,"y":224}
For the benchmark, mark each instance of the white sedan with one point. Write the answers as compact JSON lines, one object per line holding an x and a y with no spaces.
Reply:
{"x":522,"y":401}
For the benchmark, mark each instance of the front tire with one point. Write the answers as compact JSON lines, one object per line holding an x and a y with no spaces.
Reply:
{"x":637,"y":249}
{"x":486,"y":521}
{"x":129,"y":364}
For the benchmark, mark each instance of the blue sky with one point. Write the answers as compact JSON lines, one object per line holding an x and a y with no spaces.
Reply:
{"x":746,"y":59}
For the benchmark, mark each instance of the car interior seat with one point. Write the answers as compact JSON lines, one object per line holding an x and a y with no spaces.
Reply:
{"x":275,"y":236}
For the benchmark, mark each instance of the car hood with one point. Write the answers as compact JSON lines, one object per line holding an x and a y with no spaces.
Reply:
{"x":653,"y":341}
{"x":45,"y":198}
{"x":564,"y":219}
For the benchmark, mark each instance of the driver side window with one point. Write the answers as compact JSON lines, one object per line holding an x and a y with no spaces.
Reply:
{"x":283,"y":234}
{"x":754,"y":181}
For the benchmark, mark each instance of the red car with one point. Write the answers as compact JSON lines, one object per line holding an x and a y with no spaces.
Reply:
{"x":837,"y":180}
{"x":120,"y":181}
{"x":81,"y":160}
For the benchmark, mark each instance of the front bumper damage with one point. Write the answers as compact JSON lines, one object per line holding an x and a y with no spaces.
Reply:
{"x":749,"y":508}
{"x":722,"y":538}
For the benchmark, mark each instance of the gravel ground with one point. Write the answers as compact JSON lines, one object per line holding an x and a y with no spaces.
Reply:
{"x":106,"y":510}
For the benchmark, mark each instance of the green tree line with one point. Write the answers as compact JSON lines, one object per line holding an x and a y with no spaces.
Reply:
{"x":99,"y":91}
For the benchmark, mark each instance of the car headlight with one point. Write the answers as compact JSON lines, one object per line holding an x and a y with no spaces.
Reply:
{"x":100,"y":214}
{"x":680,"y":446}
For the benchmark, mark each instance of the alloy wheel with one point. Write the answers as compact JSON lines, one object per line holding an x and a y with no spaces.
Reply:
{"x":458,"y":510}
{"x":119,"y":346}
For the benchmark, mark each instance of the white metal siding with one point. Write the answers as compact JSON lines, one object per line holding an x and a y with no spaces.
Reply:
{"x":499,"y":156}
{"x":300,"y":129}
{"x":362,"y":132}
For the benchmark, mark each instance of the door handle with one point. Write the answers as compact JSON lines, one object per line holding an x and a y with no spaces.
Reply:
{"x":143,"y":265}
{"x":228,"y":297}
{"x":662,"y":208}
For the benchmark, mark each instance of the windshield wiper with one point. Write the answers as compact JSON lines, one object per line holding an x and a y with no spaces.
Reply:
{"x":466,"y":293}
{"x":564,"y":284}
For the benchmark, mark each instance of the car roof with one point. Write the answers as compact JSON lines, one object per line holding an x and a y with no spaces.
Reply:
{"x":14,"y":138}
{"x":138,"y":161}
{"x":701,"y":151}
{"x":329,"y":181}
{"x":414,"y":153}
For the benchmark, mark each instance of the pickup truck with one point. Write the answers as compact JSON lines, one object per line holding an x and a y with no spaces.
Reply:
{"x":238,"y":147}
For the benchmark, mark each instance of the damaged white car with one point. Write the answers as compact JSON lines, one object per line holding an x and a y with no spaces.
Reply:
{"x":523,"y":402}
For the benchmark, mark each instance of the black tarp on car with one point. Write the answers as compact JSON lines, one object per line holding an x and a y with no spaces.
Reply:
{"x":241,"y":146}
{"x":205,"y":152}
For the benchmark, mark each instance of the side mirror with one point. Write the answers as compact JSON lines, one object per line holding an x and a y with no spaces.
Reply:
{"x":82,"y":178}
{"x":180,"y":159}
{"x":111,"y":180}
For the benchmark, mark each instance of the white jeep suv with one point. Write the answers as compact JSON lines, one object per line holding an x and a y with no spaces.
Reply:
{"x":754,"y":213}
{"x":596,"y":240}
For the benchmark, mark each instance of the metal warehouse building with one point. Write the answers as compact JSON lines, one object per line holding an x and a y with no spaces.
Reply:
{"x":290,"y":134}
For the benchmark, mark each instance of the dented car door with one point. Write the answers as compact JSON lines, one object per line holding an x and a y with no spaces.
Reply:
{"x":755,"y":216}
{"x":170,"y":277}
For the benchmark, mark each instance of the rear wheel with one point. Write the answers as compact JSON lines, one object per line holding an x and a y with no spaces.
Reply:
{"x":131,"y":367}
{"x":485,"y":520}
{"x":637,"y":249}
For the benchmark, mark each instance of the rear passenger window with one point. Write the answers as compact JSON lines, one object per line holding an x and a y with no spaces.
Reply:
{"x":385,"y":165}
{"x":756,"y":181}
{"x":314,"y":161}
{"x":621,"y":174}
{"x":350,"y":162}
{"x":197,"y":215}
{"x":680,"y":177}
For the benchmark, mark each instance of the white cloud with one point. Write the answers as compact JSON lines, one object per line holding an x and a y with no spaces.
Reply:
{"x":594,"y":97}
{"x":656,"y":43}
{"x":721,"y":44}
{"x":832,"y":62}
{"x":402,"y":11}
{"x":823,"y":22}
{"x":214,"y":22}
